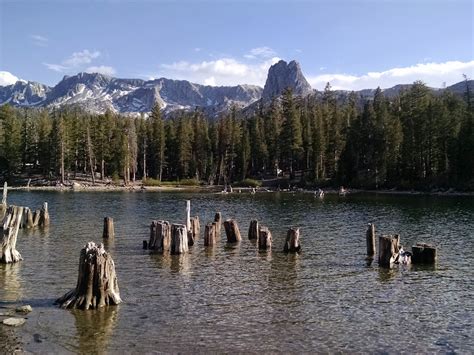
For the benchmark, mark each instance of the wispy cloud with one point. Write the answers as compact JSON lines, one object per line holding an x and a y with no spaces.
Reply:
{"x":260,"y":52}
{"x":222,"y":71}
{"x":39,"y":40}
{"x":433,"y":74}
{"x":78,"y":60}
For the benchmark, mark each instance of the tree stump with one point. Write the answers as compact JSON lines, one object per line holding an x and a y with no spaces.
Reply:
{"x":253,"y":229}
{"x":9,"y":233}
{"x":179,"y":239}
{"x":29,"y":218}
{"x":108,"y":232}
{"x":389,"y":248}
{"x":218,"y":220}
{"x":232,"y":231}
{"x":264,"y":238}
{"x":160,"y":236}
{"x":97,"y":284}
{"x":3,"y":205}
{"x":370,"y":238}
{"x":292,"y":244}
{"x":44,"y":215}
{"x":194,"y":231}
{"x":36,"y":218}
{"x":188,"y":215}
{"x":210,"y":234}
{"x":424,"y":254}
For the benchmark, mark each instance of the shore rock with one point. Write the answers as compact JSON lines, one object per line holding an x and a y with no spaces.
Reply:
{"x":14,"y":322}
{"x":24,"y":309}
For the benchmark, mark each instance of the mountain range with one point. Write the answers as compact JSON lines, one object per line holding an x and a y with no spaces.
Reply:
{"x":97,"y":93}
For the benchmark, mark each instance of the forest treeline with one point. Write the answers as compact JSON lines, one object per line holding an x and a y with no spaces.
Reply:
{"x":418,"y":139}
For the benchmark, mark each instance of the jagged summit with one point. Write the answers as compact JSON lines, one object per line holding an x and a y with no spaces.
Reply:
{"x":283,"y":75}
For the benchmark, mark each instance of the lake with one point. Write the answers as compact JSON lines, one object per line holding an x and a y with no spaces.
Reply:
{"x":232,"y":298}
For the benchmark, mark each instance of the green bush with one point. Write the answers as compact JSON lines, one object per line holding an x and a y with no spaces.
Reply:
{"x":249,"y":183}
{"x":151,"y":182}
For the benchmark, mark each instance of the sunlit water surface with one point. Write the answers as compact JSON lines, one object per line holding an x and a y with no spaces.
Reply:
{"x":233,"y":298}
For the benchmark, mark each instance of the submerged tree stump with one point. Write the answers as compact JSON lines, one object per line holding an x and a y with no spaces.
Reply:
{"x":194,"y":231}
{"x":28,"y":218}
{"x":36,"y":218}
{"x":108,"y":232}
{"x":253,"y":229}
{"x":218,"y":220}
{"x":179,"y":239}
{"x":370,"y":238}
{"x":210,"y":234}
{"x":292,"y":244}
{"x":424,"y":254}
{"x":188,"y":215}
{"x":389,"y":248}
{"x":160,"y":236}
{"x":264,"y":238}
{"x":44,"y":215}
{"x":232,"y":231}
{"x":9,"y":233}
{"x":97,"y":284}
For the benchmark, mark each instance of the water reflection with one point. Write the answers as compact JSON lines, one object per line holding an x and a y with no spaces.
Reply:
{"x":10,"y":285}
{"x":95,"y":329}
{"x":181,"y":264}
{"x":387,"y":274}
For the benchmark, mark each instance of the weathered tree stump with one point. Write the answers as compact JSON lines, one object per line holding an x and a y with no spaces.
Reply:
{"x":370,"y":238}
{"x":108,"y":232}
{"x":253,"y":229}
{"x":97,"y":284}
{"x":389,"y":248}
{"x":424,"y":254}
{"x":3,"y":205}
{"x":36,"y":218}
{"x":292,"y":244}
{"x":179,"y":239}
{"x":28,"y":218}
{"x":218,"y":220}
{"x":264,"y":238}
{"x":194,"y":231}
{"x":232,"y":231}
{"x":188,"y":215}
{"x":160,"y":236}
{"x":210,"y":234}
{"x":9,"y":233}
{"x":44,"y":215}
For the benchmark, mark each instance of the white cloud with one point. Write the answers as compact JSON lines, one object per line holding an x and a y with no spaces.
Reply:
{"x":433,"y":74}
{"x":39,"y":40}
{"x":7,"y":78}
{"x":260,"y":52}
{"x":223,"y":71}
{"x":102,"y":69}
{"x":75,"y":61}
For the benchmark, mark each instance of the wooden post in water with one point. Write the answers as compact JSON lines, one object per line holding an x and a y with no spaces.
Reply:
{"x":218,"y":220}
{"x":97,"y":284}
{"x":370,"y":238}
{"x":188,"y":215}
{"x":292,"y":243}
{"x":36,"y":218}
{"x":108,"y":232}
{"x":232,"y":231}
{"x":29,"y":218}
{"x":210,"y":234}
{"x":264,"y":238}
{"x":253,"y":229}
{"x":179,"y":239}
{"x":389,"y":247}
{"x":44,"y":215}
{"x":160,"y":236}
{"x":9,"y":233}
{"x":424,"y":254}
{"x":194,"y":231}
{"x":4,"y":195}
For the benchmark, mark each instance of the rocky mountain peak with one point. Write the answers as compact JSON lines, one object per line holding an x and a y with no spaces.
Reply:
{"x":283,"y":75}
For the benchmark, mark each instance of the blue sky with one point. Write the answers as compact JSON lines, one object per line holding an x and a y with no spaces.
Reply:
{"x":353,"y":44}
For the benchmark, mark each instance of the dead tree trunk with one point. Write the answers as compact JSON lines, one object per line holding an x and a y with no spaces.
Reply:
{"x":44,"y":215}
{"x":97,"y":284}
{"x":36,"y":218}
{"x":253,"y":229}
{"x":108,"y":232}
{"x":194,"y":231}
{"x":370,"y":238}
{"x":292,"y":244}
{"x":424,"y":254}
{"x":210,"y":234}
{"x":218,"y":220}
{"x":389,"y":247}
{"x":264,"y":238}
{"x":3,"y":205}
{"x":29,"y":218}
{"x":232,"y":231}
{"x":160,"y":236}
{"x":179,"y":239}
{"x":188,"y":215}
{"x":9,"y":233}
